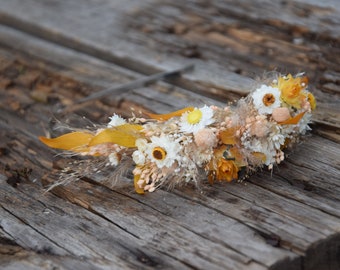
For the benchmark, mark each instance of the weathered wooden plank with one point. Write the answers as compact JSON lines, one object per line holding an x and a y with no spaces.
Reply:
{"x":31,"y":261}
{"x":143,"y":221}
{"x":30,"y":194}
{"x":295,"y":211}
{"x":153,"y":202}
{"x":46,"y":212}
{"x":319,"y":170}
{"x":197,"y":219}
{"x":95,"y":203}
{"x":273,"y":227}
{"x":169,"y":101}
{"x":26,"y":236}
{"x":124,"y":50}
{"x":277,"y":228}
{"x":102,"y":74}
{"x":22,"y":125}
{"x":79,"y":232}
{"x":266,"y":210}
{"x":164,"y":99}
{"x":294,"y":36}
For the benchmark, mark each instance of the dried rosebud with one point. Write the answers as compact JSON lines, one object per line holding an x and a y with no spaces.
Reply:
{"x":281,"y":114}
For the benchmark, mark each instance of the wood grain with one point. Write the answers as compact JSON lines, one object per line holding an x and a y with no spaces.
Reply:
{"x":52,"y":53}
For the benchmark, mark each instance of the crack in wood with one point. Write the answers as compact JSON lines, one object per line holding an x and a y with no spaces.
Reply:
{"x":44,"y":250}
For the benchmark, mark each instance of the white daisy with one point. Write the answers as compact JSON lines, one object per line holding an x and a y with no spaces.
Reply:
{"x":163,"y":151}
{"x":116,"y":121}
{"x":193,"y":121}
{"x":266,"y":98}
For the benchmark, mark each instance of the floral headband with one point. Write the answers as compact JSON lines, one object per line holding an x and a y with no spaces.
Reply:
{"x":209,"y":142}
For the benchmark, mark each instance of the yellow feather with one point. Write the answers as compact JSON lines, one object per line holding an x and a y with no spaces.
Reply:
{"x":124,"y":135}
{"x":74,"y":141}
{"x":164,"y":117}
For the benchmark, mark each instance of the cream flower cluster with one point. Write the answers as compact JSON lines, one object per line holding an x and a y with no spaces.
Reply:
{"x":208,"y":142}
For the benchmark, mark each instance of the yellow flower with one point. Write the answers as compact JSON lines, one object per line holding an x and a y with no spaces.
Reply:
{"x":197,"y":119}
{"x":291,"y":90}
{"x":311,"y":100}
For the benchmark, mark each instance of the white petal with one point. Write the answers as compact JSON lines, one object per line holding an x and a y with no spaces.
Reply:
{"x":116,"y":121}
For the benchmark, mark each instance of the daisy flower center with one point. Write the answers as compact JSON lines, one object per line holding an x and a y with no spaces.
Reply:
{"x":268,"y":99}
{"x":159,"y":153}
{"x":194,"y":117}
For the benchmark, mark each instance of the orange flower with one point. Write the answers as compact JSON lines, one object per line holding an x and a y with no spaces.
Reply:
{"x":291,"y":90}
{"x":228,"y":136}
{"x":226,"y":170}
{"x":225,"y":164}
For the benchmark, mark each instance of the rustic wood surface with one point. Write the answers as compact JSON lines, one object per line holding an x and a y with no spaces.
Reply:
{"x":54,"y":52}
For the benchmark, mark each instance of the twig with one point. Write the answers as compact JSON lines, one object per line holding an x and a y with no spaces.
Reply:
{"x":134,"y":84}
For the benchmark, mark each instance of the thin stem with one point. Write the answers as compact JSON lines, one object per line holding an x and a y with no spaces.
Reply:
{"x":134,"y":84}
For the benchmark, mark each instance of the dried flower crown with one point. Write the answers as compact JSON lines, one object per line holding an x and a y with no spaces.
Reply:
{"x":202,"y":143}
